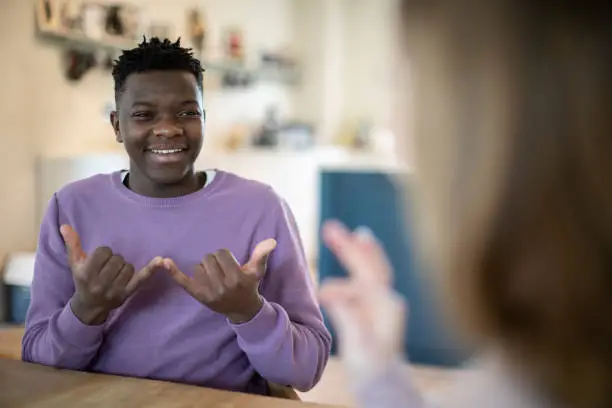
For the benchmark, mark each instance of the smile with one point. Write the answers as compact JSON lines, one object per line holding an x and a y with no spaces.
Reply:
{"x":167,"y":151}
{"x":167,"y":154}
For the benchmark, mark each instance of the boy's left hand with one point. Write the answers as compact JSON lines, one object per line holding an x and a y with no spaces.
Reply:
{"x":223,"y":285}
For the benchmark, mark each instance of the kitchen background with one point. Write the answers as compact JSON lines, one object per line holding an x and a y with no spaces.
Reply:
{"x":335,"y":89}
{"x":298,"y":93}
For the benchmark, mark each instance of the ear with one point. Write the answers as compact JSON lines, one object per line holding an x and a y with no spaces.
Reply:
{"x":114,"y":120}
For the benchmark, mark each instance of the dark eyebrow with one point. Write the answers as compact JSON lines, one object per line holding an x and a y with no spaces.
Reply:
{"x":189,"y":102}
{"x":141,"y":103}
{"x":149,"y":104}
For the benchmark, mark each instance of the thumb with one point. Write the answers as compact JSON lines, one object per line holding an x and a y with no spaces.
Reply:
{"x":73,"y":245}
{"x":179,"y":277}
{"x":259,"y":259}
{"x":145,"y":273}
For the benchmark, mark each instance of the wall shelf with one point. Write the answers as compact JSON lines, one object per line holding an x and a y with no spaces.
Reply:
{"x":112,"y":45}
{"x":78,"y":41}
{"x":48,"y":29}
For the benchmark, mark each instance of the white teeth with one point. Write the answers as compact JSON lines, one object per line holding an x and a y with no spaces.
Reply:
{"x":166,"y":151}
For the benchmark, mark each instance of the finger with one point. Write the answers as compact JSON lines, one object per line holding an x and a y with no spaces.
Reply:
{"x":73,"y":245}
{"x":120,"y":283}
{"x":230,"y":267}
{"x":371,"y":247}
{"x":142,"y":275}
{"x":359,"y":254}
{"x":94,"y":263}
{"x":214,"y":274}
{"x":339,"y":239}
{"x":179,"y":277}
{"x":340,"y":293}
{"x":259,"y":259}
{"x":335,"y":290}
{"x":109,"y":272}
{"x":203,"y":289}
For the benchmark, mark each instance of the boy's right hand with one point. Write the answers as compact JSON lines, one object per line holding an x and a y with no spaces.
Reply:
{"x":103,"y":280}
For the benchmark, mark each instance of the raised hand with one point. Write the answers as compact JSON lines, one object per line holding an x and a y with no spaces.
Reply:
{"x":223,"y":285}
{"x":367,"y":314}
{"x":103,"y":280}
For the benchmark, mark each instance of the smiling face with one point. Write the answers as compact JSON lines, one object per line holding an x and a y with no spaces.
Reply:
{"x":160,"y":121}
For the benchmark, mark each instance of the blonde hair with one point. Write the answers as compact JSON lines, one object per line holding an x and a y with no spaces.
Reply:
{"x":514,"y":175}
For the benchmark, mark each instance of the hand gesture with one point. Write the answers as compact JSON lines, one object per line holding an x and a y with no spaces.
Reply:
{"x":225,"y":287}
{"x":102,"y":280}
{"x":367,"y":314}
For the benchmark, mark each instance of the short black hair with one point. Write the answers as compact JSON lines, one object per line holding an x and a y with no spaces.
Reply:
{"x":153,"y":55}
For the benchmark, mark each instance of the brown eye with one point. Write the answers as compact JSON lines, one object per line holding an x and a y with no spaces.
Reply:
{"x":189,"y":114}
{"x":142,"y":115}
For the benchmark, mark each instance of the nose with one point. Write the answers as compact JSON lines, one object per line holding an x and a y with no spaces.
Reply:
{"x":167,"y":129}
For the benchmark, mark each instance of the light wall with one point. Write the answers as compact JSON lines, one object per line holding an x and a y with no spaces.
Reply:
{"x":348,"y":50}
{"x":369,"y":60}
{"x":19,"y":113}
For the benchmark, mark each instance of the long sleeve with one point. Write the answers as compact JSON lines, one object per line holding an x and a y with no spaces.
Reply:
{"x":54,"y":336}
{"x":287,"y":341}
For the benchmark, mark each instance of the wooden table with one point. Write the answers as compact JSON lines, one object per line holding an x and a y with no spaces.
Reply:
{"x":24,"y":385}
{"x":332,"y":389}
{"x":10,"y":342}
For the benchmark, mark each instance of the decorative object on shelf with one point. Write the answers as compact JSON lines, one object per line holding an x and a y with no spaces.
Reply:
{"x":114,"y":23}
{"x":235,"y":46}
{"x":47,"y":12}
{"x":296,"y":136}
{"x":94,"y":16}
{"x":77,"y":63}
{"x":268,"y":134}
{"x":129,"y":16}
{"x":105,"y":29}
{"x":236,"y":137}
{"x":70,"y":15}
{"x":356,"y":135}
{"x":281,"y":59}
{"x":280,"y":64}
{"x":111,"y":22}
{"x":82,"y":25}
{"x":235,"y":73}
{"x":237,"y":78}
{"x":197,"y":30}
{"x":363,"y":136}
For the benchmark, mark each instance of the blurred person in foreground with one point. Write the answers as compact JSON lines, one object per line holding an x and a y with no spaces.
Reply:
{"x":513,"y":172}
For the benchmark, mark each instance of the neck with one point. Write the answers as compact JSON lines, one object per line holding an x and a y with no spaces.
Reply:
{"x":142,"y":185}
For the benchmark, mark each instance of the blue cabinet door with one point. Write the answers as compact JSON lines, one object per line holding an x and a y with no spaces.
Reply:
{"x":374,"y":200}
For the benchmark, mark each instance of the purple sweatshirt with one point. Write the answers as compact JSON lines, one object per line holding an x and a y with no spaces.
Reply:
{"x":161,"y":332}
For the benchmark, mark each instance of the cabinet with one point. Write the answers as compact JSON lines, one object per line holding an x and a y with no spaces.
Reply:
{"x":375,"y":200}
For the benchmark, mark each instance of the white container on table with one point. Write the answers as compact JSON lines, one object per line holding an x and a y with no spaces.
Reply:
{"x":17,"y":280}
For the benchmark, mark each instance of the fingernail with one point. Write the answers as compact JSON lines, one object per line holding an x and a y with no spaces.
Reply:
{"x":364,"y":233}
{"x":333,"y":227}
